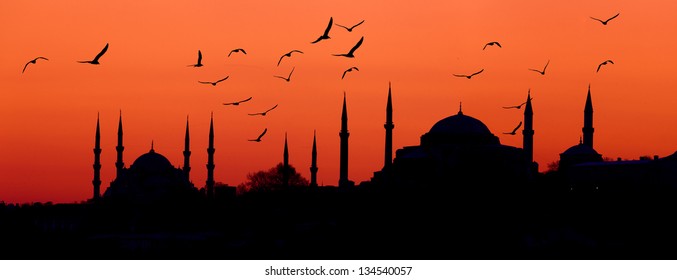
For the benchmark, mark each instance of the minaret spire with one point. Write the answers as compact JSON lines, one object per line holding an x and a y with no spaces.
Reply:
{"x":119,"y":164}
{"x":528,"y":131}
{"x":389,"y":132}
{"x":186,"y":153}
{"x":210,"y":160}
{"x":343,"y":172}
{"x":588,"y":130}
{"x":97,"y":162}
{"x":285,"y":163}
{"x":313,"y":165}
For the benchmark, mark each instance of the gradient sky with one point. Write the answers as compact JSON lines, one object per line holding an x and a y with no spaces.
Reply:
{"x":48,"y":114}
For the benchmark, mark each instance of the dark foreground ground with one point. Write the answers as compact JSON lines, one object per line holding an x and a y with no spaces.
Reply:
{"x":326,"y":223}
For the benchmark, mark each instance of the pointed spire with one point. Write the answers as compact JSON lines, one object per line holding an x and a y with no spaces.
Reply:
{"x":119,"y":164}
{"x":344,"y":112}
{"x":460,"y":107}
{"x":588,"y":129}
{"x":344,"y":134}
{"x":96,"y":182}
{"x":313,"y":164}
{"x":285,"y":164}
{"x":528,"y":130}
{"x":97,"y":141}
{"x":210,"y":160}
{"x":186,"y":153}
{"x":389,"y":131}
{"x":151,"y":147}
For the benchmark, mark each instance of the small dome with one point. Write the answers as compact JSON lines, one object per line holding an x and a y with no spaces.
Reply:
{"x":460,"y":124}
{"x":580,"y":149}
{"x":152,"y":162}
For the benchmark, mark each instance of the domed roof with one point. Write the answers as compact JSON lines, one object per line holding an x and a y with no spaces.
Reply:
{"x":151,"y":162}
{"x":580,"y":149}
{"x":460,"y":124}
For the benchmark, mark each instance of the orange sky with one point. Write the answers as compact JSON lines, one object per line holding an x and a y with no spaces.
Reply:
{"x":48,"y":114}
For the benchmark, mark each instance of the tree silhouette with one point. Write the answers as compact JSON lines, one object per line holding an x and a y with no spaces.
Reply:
{"x":272,"y":180}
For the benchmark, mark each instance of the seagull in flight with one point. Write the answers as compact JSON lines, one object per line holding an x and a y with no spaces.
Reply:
{"x":96,"y":58}
{"x":326,"y":32}
{"x":468,"y":76}
{"x":236,"y":103}
{"x":350,"y":53}
{"x":265,"y":112}
{"x":287,"y":55}
{"x":258,"y":139}
{"x":350,"y":29}
{"x":288,"y":77}
{"x":236,"y":50}
{"x":349,"y":70}
{"x":604,"y":22}
{"x":514,"y":130}
{"x":32,"y":62}
{"x":214,"y":83}
{"x":539,"y":71}
{"x":491,"y":44}
{"x":199,"y":60}
{"x":604,"y":63}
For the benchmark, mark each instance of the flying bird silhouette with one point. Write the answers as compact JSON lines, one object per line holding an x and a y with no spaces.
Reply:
{"x":349,"y":70}
{"x":288,"y":77}
{"x":491,"y":44}
{"x":96,"y":58}
{"x":604,"y":22}
{"x":539,"y":71}
{"x":350,"y":53}
{"x":350,"y":29}
{"x":258,"y":139}
{"x":214,"y":83}
{"x":326,"y":32}
{"x":518,"y":106}
{"x":199,"y":60}
{"x":604,"y":63}
{"x":236,"y":50}
{"x":468,"y":76}
{"x":514,"y":130}
{"x":236,"y":103}
{"x":287,"y":55}
{"x":264,"y":112}
{"x":32,"y":62}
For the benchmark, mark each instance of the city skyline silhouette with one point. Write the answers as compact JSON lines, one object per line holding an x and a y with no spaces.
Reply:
{"x":49,"y":110}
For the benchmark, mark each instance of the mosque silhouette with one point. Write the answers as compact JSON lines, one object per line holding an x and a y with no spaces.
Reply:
{"x":459,"y":194}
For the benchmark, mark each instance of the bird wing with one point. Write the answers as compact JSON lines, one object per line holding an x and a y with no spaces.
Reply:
{"x":263,"y":133}
{"x":610,"y":61}
{"x":459,"y":75}
{"x":292,"y":71}
{"x":254,"y":114}
{"x":539,"y":71}
{"x":318,"y":39}
{"x":356,"y":69}
{"x":40,"y":57}
{"x":599,"y":66}
{"x":473,"y":74}
{"x":331,"y":22}
{"x":344,"y":74}
{"x":101,"y":53}
{"x":357,"y":24}
{"x":613,"y":17}
{"x":244,"y":52}
{"x":231,"y":52}
{"x":226,"y":78}
{"x":597,"y":19}
{"x":485,"y":46}
{"x":202,"y":81}
{"x":342,"y":26}
{"x":245,"y":100}
{"x":271,"y":108}
{"x":516,"y":128}
{"x":199,"y":56}
{"x":499,"y":45}
{"x":509,"y":107}
{"x":280,"y":77}
{"x":359,"y":43}
{"x":546,"y":66}
{"x":295,"y":51}
{"x":230,"y":103}
{"x":22,"y":71}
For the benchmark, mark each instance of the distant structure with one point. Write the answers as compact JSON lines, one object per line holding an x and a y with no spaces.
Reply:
{"x":97,"y":162}
{"x":528,"y":135}
{"x":343,"y":172}
{"x":210,"y":160}
{"x":285,"y":163}
{"x":588,"y":130}
{"x":186,"y":153}
{"x":119,"y":164}
{"x":313,"y":165}
{"x":387,"y":165}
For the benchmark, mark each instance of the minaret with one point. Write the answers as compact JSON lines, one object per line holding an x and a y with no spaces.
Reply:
{"x":210,"y":160}
{"x":528,"y":131}
{"x":97,"y":162}
{"x":285,"y":163}
{"x":389,"y":133}
{"x":588,"y":130}
{"x":313,"y":165}
{"x":186,"y":153}
{"x":343,"y":172}
{"x":119,"y":165}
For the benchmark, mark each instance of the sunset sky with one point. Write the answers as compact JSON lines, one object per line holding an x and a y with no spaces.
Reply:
{"x":48,"y":114}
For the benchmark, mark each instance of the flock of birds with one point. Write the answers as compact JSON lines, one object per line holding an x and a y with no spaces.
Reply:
{"x":349,"y":54}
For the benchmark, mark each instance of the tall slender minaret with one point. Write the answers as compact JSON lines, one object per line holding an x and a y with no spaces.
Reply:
{"x":186,"y":153}
{"x":97,"y":162}
{"x":285,"y":163}
{"x":119,"y":164}
{"x":528,"y":131}
{"x":389,"y":132}
{"x":343,"y":172}
{"x":588,"y":130}
{"x":210,"y":160}
{"x":313,"y":165}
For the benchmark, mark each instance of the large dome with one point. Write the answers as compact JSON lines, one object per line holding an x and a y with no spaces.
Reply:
{"x":579,"y":150}
{"x":460,"y":124}
{"x":151,"y":163}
